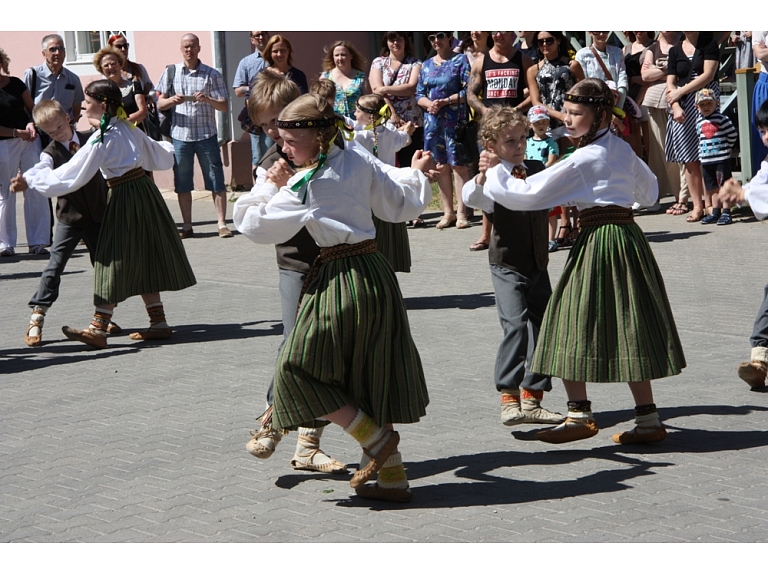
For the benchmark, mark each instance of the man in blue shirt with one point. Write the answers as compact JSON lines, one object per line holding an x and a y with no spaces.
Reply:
{"x":245,"y":75}
{"x":52,"y":81}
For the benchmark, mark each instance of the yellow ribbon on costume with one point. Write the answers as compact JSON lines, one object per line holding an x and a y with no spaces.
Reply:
{"x":346,"y":132}
{"x":121,"y":115}
{"x":384,"y":115}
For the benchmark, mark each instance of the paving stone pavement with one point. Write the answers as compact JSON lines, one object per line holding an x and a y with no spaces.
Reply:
{"x":145,"y":442}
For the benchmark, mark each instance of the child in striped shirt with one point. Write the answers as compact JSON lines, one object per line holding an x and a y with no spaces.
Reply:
{"x":716,"y":138}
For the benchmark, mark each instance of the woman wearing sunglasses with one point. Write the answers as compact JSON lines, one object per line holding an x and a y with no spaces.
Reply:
{"x":548,"y":81}
{"x":441,"y":92}
{"x":136,"y":70}
{"x":552,"y":76}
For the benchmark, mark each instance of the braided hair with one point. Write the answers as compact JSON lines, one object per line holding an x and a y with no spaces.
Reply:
{"x":597,"y":96}
{"x":375,"y":106}
{"x":106,"y":91}
{"x":313,"y":111}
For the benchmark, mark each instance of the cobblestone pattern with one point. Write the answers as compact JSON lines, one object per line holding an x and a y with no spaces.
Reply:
{"x":145,"y":441}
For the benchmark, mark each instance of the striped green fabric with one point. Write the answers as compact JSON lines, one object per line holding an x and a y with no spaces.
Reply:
{"x":139,"y":249}
{"x":609,"y":318}
{"x":351,"y":345}
{"x":392,"y":242}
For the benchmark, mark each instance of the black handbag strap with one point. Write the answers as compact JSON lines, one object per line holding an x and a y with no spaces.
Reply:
{"x":394,"y":76}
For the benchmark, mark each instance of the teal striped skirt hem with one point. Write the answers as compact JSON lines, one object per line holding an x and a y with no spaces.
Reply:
{"x":139,"y":249}
{"x":351,"y":345}
{"x":609,"y":318}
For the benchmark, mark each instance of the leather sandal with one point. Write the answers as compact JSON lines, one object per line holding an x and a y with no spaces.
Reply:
{"x":362,"y":476}
{"x":373,"y":491}
{"x":462,"y":223}
{"x":307,"y":463}
{"x":446,"y":222}
{"x":114,"y":329}
{"x":635,"y":436}
{"x":34,"y":340}
{"x":263,"y":442}
{"x":85,"y":336}
{"x":570,"y":430}
{"x":152,"y":333}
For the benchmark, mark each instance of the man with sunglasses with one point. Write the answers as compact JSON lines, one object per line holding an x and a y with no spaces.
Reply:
{"x":52,"y":81}
{"x":245,"y":76}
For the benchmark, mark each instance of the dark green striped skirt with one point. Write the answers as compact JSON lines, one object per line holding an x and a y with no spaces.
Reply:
{"x":139,"y":249}
{"x":351,"y":345}
{"x":392,"y":241}
{"x":609,"y":318}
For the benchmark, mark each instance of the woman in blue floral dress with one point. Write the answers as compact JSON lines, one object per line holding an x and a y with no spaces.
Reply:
{"x":441,"y":92}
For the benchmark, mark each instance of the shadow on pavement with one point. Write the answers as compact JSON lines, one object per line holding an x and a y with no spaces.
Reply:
{"x":464,"y":301}
{"x":24,"y":358}
{"x":29,"y":359}
{"x":198,"y":332}
{"x":32,"y":275}
{"x":487,"y":489}
{"x":661,"y":237}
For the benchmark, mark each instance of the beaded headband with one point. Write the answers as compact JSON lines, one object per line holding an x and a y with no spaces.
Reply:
{"x":601,"y":100}
{"x":370,"y":111}
{"x":102,"y":97}
{"x":301,"y":124}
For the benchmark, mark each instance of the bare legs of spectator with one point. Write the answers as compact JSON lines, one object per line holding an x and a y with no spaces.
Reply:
{"x":219,"y":202}
{"x":447,"y":176}
{"x":696,"y":189}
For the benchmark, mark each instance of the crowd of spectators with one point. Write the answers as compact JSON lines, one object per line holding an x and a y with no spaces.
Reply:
{"x":655,"y":76}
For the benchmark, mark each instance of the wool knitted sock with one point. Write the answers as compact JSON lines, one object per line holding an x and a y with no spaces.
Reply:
{"x":156,"y":316}
{"x":392,"y":473}
{"x":532,"y":394}
{"x":580,"y":410}
{"x":647,"y":418}
{"x":100,"y":321}
{"x":511,"y":413}
{"x":532,"y":410}
{"x":365,"y":431}
{"x":759,"y":354}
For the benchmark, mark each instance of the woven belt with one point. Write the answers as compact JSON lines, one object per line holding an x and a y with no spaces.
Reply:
{"x":602,"y":216}
{"x":335,"y":253}
{"x":128,"y":176}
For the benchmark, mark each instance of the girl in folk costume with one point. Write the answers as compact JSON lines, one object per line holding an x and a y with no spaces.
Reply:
{"x":139,"y":251}
{"x":383,"y":140}
{"x":350,"y":358}
{"x":609,"y":318}
{"x":271,"y":93}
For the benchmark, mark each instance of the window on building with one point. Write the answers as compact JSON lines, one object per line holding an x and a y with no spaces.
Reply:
{"x":83,"y":45}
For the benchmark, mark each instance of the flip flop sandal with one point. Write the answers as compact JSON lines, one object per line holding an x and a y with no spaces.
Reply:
{"x":478,"y":247}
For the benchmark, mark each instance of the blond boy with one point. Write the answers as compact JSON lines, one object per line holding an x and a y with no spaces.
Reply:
{"x":518,"y":259}
{"x":79,"y":213}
